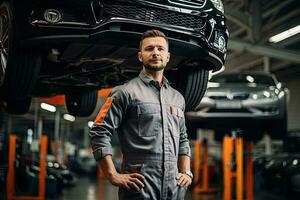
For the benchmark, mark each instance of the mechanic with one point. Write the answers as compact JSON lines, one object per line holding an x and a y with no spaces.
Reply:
{"x":148,"y":116}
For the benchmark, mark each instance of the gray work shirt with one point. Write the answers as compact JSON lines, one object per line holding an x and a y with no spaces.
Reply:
{"x":149,"y":121}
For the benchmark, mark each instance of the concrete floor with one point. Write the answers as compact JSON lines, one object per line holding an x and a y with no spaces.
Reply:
{"x":89,"y":188}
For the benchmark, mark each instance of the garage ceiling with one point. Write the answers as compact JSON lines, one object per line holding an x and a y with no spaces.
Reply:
{"x":251,"y":23}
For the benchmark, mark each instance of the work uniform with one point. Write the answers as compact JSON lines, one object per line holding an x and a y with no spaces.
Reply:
{"x":149,"y":121}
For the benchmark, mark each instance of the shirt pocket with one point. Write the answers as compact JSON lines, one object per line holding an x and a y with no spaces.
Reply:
{"x":132,"y":168}
{"x":149,"y":119}
{"x":176,"y":115}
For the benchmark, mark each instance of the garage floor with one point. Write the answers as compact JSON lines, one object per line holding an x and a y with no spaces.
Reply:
{"x":93,"y":189}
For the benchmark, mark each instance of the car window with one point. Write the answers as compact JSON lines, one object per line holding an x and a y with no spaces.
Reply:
{"x":243,"y":78}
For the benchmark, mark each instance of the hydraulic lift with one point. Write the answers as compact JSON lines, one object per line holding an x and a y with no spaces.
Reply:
{"x":201,"y":168}
{"x":233,"y":167}
{"x":11,"y":170}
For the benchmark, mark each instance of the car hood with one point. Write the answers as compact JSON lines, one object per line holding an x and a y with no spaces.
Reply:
{"x":232,"y":88}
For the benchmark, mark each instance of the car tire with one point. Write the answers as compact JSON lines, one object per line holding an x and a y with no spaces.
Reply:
{"x":18,"y":107}
{"x":192,"y":85}
{"x":81,"y":104}
{"x":20,"y":67}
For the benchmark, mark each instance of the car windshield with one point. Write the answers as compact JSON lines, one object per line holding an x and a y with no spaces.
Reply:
{"x":243,"y":78}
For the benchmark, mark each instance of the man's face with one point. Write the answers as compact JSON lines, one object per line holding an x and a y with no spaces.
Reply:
{"x":154,"y":53}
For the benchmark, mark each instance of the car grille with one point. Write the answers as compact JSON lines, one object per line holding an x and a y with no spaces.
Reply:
{"x":215,"y":110}
{"x":188,"y":2}
{"x":239,"y":96}
{"x":154,"y":16}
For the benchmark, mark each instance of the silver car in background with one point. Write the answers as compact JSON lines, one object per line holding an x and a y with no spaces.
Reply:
{"x":252,"y":102}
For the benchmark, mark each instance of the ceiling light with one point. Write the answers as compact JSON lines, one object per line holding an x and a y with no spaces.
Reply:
{"x":48,"y":107}
{"x":69,"y":117}
{"x":285,"y":34}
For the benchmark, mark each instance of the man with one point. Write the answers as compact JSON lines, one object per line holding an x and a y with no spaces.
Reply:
{"x":147,"y":114}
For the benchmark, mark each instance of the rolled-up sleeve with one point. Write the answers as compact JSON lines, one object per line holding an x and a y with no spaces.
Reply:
{"x":184,"y":145}
{"x":107,"y":121}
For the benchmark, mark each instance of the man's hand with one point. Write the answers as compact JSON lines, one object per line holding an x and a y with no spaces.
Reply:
{"x":133,"y":181}
{"x":183,"y":180}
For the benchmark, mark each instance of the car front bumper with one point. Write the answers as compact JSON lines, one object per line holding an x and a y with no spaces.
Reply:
{"x":248,"y":113}
{"x":199,"y":43}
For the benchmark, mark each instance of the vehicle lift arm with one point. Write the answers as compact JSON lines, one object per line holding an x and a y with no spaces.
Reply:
{"x":11,"y":170}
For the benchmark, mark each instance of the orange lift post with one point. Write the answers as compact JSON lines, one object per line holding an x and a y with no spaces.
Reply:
{"x":11,"y":170}
{"x":201,"y":166}
{"x":249,"y":170}
{"x":233,"y":169}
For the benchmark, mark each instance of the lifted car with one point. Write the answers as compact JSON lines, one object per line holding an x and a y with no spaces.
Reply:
{"x":251,"y":102}
{"x":76,"y":47}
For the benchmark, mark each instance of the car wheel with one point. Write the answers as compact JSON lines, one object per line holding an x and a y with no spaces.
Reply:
{"x":81,"y":104}
{"x":18,"y":107}
{"x":19,"y":66}
{"x":192,"y":85}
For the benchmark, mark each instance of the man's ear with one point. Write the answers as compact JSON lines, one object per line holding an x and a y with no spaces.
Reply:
{"x":140,"y":56}
{"x":168,"y":58}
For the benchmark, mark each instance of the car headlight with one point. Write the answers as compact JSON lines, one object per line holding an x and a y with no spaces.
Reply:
{"x":218,"y":5}
{"x":264,"y":95}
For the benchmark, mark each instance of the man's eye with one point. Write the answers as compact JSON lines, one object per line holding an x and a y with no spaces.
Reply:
{"x":161,"y":49}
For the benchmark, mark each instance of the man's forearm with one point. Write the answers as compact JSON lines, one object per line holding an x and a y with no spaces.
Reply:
{"x":184,"y":163}
{"x":107,"y":166}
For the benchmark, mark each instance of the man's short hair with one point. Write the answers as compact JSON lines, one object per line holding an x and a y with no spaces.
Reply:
{"x":153,"y":33}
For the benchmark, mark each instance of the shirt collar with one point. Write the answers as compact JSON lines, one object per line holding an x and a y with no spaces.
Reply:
{"x":150,"y":81}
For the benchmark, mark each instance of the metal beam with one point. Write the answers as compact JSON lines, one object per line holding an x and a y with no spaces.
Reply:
{"x":237,"y":32}
{"x":276,"y":8}
{"x":237,"y":17}
{"x":283,"y":19}
{"x":256,"y":20}
{"x":280,"y":65}
{"x":248,"y":65}
{"x":274,"y":52}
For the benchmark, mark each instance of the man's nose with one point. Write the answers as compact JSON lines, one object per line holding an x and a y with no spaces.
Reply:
{"x":155,"y":51}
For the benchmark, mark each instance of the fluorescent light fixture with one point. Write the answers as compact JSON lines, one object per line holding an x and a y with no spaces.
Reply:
{"x":90,"y":124}
{"x":48,"y":107}
{"x":69,"y":117}
{"x":285,"y":34}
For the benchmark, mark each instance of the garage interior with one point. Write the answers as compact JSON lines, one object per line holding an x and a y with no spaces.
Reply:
{"x":264,"y":38}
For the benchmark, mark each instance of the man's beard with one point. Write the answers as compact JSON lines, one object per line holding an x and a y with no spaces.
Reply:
{"x":154,"y":68}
